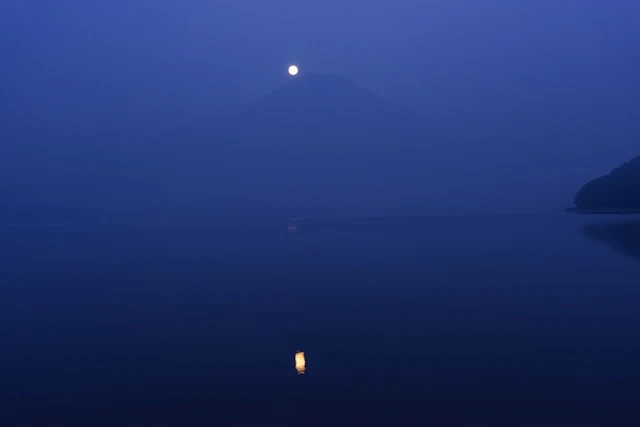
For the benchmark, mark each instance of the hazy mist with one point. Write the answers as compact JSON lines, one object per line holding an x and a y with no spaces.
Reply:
{"x":516,"y":103}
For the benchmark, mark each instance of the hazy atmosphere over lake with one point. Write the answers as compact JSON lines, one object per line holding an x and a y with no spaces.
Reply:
{"x":319,"y":213}
{"x":531,"y":99}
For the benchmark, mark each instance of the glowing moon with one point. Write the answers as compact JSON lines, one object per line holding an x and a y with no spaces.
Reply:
{"x":293,"y":70}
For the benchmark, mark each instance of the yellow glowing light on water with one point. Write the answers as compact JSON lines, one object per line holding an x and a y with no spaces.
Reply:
{"x":293,"y":70}
{"x":300,"y":362}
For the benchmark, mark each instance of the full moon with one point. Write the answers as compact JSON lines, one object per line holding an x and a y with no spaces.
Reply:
{"x":293,"y":70}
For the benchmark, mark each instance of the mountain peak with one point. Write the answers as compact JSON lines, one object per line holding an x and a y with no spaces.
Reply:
{"x":330,"y":80}
{"x":320,"y":92}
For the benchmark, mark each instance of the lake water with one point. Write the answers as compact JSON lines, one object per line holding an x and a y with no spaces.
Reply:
{"x":444,"y":321}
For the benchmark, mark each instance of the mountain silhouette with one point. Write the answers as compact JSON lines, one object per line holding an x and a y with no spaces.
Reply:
{"x":619,"y":190}
{"x":322,"y":140}
{"x":316,"y":94}
{"x":324,"y":105}
{"x":319,"y":144}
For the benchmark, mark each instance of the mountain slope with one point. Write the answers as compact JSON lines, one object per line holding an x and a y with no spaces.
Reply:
{"x":320,"y":105}
{"x":620,"y":189}
{"x":320,"y":93}
{"x":321,"y":140}
{"x":318,"y":144}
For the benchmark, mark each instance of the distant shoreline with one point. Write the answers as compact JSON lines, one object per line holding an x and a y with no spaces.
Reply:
{"x":32,"y":224}
{"x":603,"y":211}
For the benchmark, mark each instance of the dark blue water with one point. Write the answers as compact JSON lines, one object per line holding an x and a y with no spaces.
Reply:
{"x":523,"y":321}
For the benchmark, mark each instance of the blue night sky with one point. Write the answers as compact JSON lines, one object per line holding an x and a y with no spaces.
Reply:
{"x":553,"y":81}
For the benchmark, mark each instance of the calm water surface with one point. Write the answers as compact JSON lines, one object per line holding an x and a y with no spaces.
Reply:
{"x":523,"y":321}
